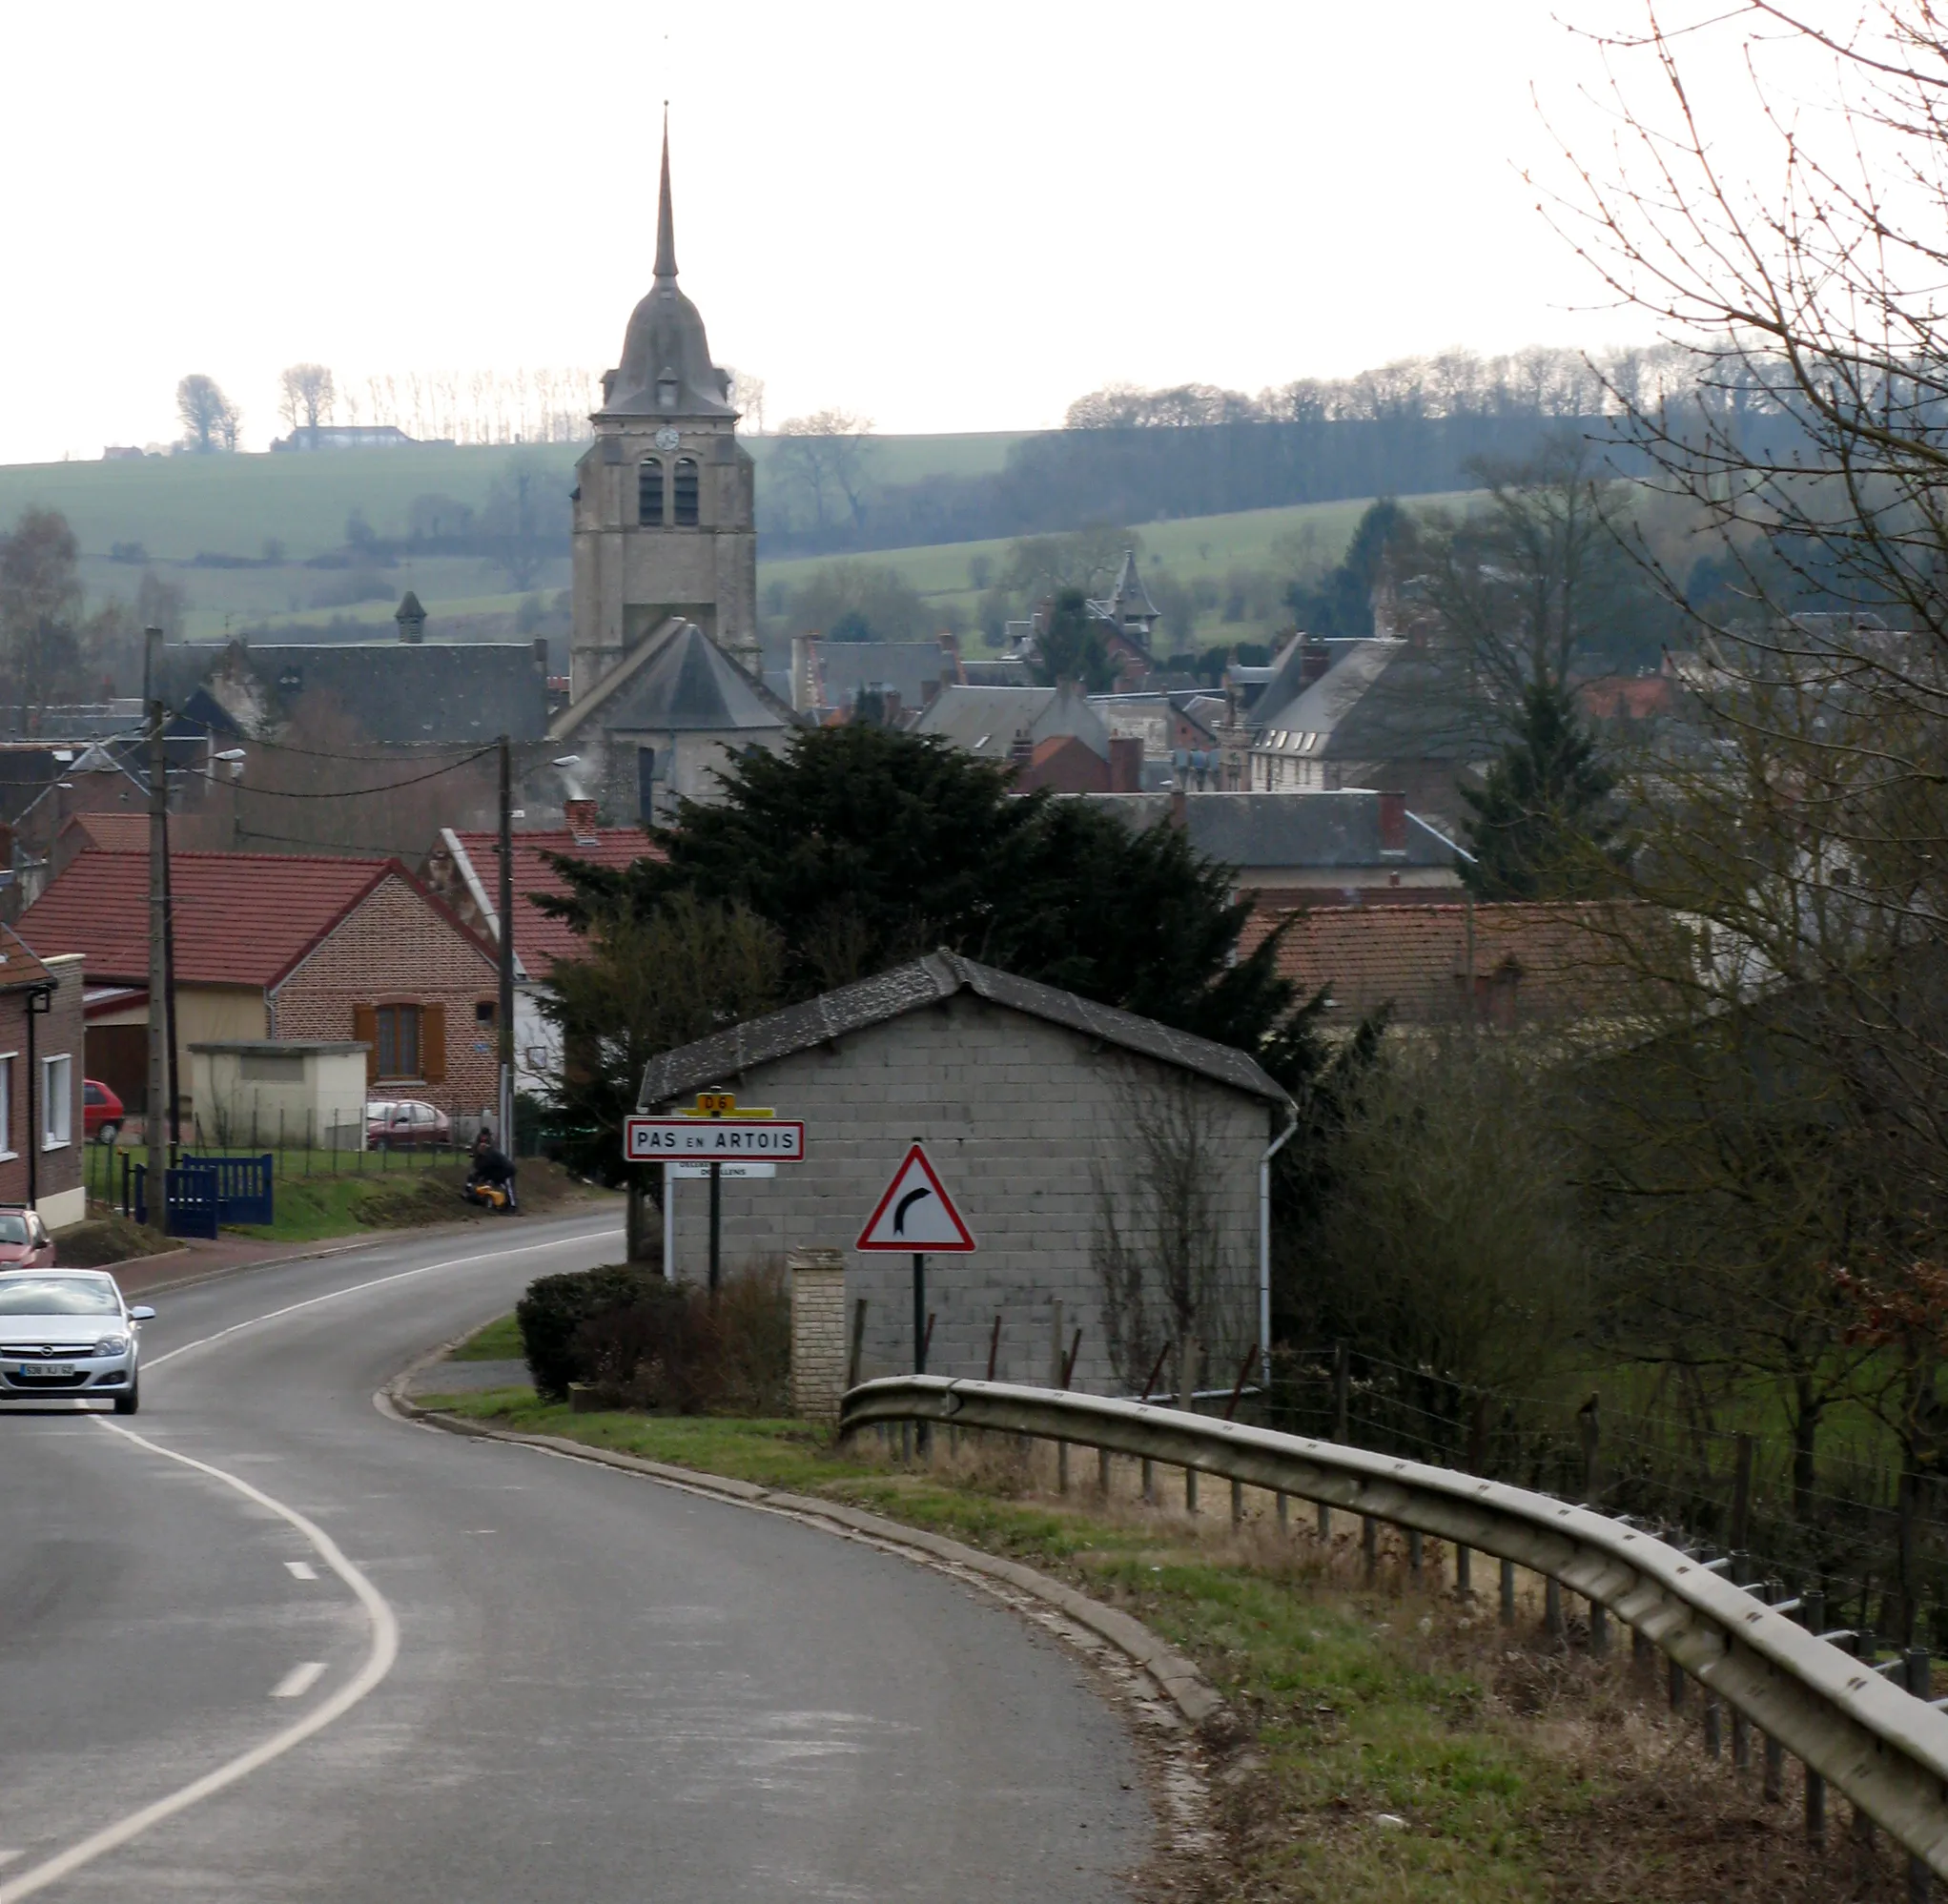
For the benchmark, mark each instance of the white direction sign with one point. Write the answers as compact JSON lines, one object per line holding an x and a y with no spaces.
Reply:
{"x":916,"y":1214}
{"x":714,"y":1140}
{"x":727,"y":1171}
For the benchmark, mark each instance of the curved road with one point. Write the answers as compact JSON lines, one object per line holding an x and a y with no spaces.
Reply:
{"x":603,"y":1690}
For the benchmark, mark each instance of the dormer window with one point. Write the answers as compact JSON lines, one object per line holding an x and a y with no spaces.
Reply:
{"x":666,"y":391}
{"x":650,"y":492}
{"x":685,"y":496}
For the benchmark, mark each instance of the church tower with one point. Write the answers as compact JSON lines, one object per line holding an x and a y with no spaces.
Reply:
{"x":665,"y":523}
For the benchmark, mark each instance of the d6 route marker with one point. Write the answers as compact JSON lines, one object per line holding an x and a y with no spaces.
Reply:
{"x":713,"y":1139}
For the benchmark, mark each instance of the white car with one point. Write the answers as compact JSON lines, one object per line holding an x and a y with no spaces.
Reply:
{"x":68,"y":1332}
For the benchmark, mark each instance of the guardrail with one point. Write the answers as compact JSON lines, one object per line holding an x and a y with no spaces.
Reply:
{"x":1885,"y":1748}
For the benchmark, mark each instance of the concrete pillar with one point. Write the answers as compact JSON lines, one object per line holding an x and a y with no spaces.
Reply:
{"x":818,"y":1332}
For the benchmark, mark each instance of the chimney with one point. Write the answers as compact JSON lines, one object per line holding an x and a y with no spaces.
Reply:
{"x":1393,"y":822}
{"x":582,"y":820}
{"x":950,"y":650}
{"x":1315,"y":659}
{"x":893,"y":708}
{"x":1179,"y":808}
{"x":1125,"y":764}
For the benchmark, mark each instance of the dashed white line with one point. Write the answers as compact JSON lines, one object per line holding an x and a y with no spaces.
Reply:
{"x":299,"y":1680}
{"x":301,"y":1570}
{"x":378,"y":1662}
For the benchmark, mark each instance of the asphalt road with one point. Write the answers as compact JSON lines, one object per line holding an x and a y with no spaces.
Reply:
{"x":522,"y":1677}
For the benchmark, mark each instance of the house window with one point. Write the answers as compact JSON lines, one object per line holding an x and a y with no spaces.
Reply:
{"x":687,"y":492}
{"x":484,"y":1011}
{"x":58,"y":1101}
{"x":645,"y":785}
{"x":650,"y":492}
{"x":7,"y":1106}
{"x":666,"y":391}
{"x":398,"y":1040}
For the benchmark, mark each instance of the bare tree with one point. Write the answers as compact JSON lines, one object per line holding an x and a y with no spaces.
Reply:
{"x":826,"y":456}
{"x":210,"y":419}
{"x":40,"y":603}
{"x":308,"y":396}
{"x":748,"y":393}
{"x":1159,"y":1249}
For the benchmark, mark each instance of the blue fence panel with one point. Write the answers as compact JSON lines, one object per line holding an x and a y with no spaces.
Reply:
{"x":244,"y":1192}
{"x":201,"y":1193}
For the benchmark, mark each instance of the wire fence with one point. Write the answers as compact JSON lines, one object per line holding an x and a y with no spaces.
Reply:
{"x":1851,"y":1522}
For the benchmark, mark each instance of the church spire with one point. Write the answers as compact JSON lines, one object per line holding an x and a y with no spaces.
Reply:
{"x":665,"y":224}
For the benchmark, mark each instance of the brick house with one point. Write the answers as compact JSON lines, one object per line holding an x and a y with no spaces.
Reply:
{"x":1030,"y":1102}
{"x":275,"y":946}
{"x":41,"y":1129}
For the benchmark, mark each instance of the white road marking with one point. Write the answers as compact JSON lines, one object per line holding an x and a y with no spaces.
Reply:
{"x":299,"y":1680}
{"x":301,"y":1570}
{"x":378,"y":1662}
{"x":377,"y":1282}
{"x":384,"y":1622}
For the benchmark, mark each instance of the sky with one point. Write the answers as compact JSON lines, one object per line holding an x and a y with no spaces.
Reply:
{"x":939,"y":218}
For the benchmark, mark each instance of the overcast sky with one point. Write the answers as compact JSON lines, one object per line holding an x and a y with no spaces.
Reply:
{"x":945,"y":217}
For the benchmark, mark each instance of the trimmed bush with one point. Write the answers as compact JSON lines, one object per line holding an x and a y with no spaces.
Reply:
{"x":551,"y":1316}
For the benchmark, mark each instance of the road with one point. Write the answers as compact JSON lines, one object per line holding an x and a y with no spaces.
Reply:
{"x":525,"y":1678}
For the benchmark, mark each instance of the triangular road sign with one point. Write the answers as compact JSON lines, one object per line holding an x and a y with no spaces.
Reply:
{"x":916,"y":1216}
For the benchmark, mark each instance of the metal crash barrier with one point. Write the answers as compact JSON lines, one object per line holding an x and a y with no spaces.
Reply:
{"x":1885,"y":1748}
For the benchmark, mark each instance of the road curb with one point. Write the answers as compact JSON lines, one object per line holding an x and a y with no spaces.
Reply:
{"x":1196,"y":1701}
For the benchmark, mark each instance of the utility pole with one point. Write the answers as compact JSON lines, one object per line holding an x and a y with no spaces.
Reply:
{"x":506,"y":902}
{"x":158,"y":931}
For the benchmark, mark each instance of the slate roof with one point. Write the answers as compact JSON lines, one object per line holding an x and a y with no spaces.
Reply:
{"x":984,"y":721}
{"x":539,"y":939}
{"x":678,"y":681}
{"x":1386,"y":700}
{"x":391,"y":690}
{"x":1415,"y":958}
{"x":240,"y":918}
{"x":1255,"y":830}
{"x":929,"y":981}
{"x":840,"y":670}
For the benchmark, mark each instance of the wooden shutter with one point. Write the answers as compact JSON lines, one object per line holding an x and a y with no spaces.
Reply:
{"x":433,"y":1043}
{"x":365,"y":1030}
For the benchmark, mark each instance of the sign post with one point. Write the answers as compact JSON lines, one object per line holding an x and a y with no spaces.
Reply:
{"x":916,"y":1216}
{"x":714,"y":1132}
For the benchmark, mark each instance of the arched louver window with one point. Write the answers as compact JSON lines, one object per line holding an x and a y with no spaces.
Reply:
{"x":687,"y":492}
{"x":649,"y":491}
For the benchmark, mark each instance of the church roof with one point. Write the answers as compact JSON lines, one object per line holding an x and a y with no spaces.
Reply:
{"x":678,"y":681}
{"x":1129,"y":596}
{"x":666,"y":355}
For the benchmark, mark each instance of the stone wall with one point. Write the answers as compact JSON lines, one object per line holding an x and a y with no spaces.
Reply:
{"x":1029,"y":1127}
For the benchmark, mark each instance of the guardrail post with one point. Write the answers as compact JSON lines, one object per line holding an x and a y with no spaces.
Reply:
{"x":1712,"y":1745}
{"x":1463,"y":1589}
{"x":1676,"y":1677}
{"x":1919,"y":1676}
{"x":1190,"y":1490}
{"x":1552,"y":1607}
{"x":1237,"y":1504}
{"x":1507,"y":1593}
{"x":1324,"y":1521}
{"x":1414,"y":1554}
{"x":1813,"y":1617}
{"x":1103,"y":1472}
{"x":1741,"y":1741}
{"x":1370,"y":1546}
{"x":1599,"y":1629}
{"x":1062,"y":1467}
{"x":1284,"y":1513}
{"x":1149,"y":1482}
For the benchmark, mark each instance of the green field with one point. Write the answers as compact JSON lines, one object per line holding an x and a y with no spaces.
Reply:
{"x":179,"y":506}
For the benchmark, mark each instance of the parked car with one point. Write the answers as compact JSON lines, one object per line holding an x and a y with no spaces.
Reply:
{"x":405,"y":1123}
{"x":69,"y":1332}
{"x":101,"y":1111}
{"x":23,"y":1239}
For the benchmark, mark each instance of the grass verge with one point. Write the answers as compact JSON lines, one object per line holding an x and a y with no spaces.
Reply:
{"x":310,"y":1209}
{"x":1395,"y":1743}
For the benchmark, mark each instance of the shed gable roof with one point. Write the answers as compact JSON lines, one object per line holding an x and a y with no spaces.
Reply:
{"x":930,"y":981}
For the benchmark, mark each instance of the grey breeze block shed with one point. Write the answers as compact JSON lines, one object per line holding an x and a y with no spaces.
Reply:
{"x":1030,"y":1102}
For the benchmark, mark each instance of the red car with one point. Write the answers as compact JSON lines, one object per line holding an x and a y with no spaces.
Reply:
{"x":101,"y":1111}
{"x":23,"y":1239}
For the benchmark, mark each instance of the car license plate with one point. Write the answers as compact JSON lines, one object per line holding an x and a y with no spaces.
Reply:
{"x":62,"y":1369}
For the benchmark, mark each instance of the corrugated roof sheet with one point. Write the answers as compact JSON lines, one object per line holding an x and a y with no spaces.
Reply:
{"x":927,"y":981}
{"x":240,"y":918}
{"x":1551,"y":959}
{"x":540,"y":940}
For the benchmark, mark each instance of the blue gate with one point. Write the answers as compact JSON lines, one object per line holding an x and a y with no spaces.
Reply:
{"x":201,"y":1193}
{"x":243,"y":1186}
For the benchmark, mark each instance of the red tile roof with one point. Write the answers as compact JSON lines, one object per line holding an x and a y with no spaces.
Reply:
{"x":1529,"y":961}
{"x":241,"y":918}
{"x":539,"y":940}
{"x":117,"y":832}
